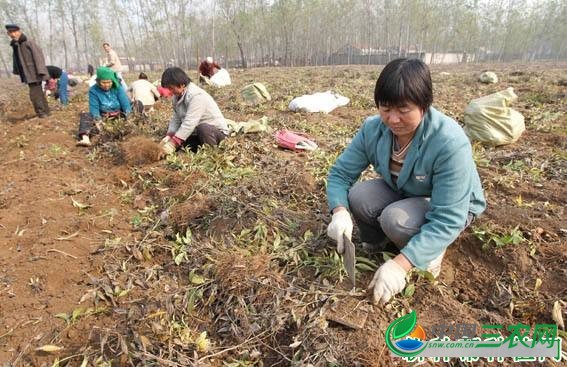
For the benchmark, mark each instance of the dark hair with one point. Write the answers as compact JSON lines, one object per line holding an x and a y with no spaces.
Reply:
{"x":54,"y":72}
{"x":174,"y":76}
{"x":143,"y":76}
{"x":404,"y":80}
{"x":106,"y":44}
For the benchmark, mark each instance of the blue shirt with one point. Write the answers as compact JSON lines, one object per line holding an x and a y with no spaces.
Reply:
{"x":439,"y":164}
{"x":101,"y":101}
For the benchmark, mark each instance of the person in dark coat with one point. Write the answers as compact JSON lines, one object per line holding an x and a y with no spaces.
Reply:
{"x":29,"y":64}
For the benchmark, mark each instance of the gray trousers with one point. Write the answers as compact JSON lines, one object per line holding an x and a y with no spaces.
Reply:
{"x":381,"y":212}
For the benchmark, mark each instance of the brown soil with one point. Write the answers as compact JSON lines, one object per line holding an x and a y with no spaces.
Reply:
{"x":86,"y":264}
{"x":181,"y":215}
{"x":139,"y":151}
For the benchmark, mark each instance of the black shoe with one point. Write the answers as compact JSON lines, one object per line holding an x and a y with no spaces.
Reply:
{"x":43,"y":115}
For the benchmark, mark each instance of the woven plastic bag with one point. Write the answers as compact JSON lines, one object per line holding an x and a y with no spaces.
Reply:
{"x":294,"y":140}
{"x":490,"y":119}
{"x":255,"y":93}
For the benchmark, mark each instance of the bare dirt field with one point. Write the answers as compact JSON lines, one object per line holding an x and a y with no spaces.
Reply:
{"x":109,"y":257}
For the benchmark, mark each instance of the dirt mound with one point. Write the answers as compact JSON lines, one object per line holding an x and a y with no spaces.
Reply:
{"x":182,"y":214}
{"x":139,"y":151}
{"x":238,"y":274}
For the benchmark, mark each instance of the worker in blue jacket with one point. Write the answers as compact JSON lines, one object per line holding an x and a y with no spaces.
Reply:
{"x":428,"y":191}
{"x":107,"y":100}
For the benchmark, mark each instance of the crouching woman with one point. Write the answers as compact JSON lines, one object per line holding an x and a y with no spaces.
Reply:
{"x":429,"y":190}
{"x":107,"y":100}
{"x":196,"y":119}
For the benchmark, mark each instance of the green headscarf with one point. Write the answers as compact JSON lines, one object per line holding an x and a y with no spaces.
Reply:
{"x":104,"y":73}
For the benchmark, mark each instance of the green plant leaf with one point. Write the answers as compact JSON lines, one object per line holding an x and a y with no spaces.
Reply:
{"x":196,"y":278}
{"x":409,"y":291}
{"x":179,"y":258}
{"x":404,"y":325}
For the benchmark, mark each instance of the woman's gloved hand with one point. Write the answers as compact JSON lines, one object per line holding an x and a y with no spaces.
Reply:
{"x":341,"y":224}
{"x":167,"y":145}
{"x":389,"y":280}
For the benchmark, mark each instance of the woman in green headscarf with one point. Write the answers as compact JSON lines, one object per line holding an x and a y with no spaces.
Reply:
{"x":107,"y":99}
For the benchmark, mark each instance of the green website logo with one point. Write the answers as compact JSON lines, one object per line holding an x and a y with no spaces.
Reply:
{"x":407,"y":339}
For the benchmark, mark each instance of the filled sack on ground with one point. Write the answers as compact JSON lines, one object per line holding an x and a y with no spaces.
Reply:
{"x":255,"y":93}
{"x":220,"y":79}
{"x":491,"y":120}
{"x":319,"y":102}
{"x":250,"y":126}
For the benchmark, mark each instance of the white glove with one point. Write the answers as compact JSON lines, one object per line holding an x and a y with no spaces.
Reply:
{"x":434,"y":267}
{"x":340,"y":225}
{"x":167,"y":145}
{"x":389,"y":280}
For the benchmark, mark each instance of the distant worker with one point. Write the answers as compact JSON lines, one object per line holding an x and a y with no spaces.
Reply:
{"x":29,"y":64}
{"x":107,"y":100}
{"x":212,"y":74}
{"x":196,"y":119}
{"x":113,"y":62}
{"x":208,"y":67}
{"x":58,"y":84}
{"x":143,"y":94}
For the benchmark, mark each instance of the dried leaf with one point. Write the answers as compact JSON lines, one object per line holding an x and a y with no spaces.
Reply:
{"x":91,"y":293}
{"x":145,"y":342}
{"x":557,"y":315}
{"x":49,"y":348}
{"x":79,"y":205}
{"x":137,"y":254}
{"x":65,"y":238}
{"x":202,"y":343}
{"x":147,"y":254}
{"x":196,"y":278}
{"x":537,"y":284}
{"x":295,"y":344}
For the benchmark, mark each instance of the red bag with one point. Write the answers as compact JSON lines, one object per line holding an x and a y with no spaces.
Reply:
{"x":294,"y":140}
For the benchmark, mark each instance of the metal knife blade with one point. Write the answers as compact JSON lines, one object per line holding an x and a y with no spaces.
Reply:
{"x":349,"y":260}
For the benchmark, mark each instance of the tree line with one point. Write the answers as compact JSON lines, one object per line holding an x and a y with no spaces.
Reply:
{"x":286,"y":32}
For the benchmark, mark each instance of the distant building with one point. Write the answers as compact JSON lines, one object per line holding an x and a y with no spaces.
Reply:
{"x":363,"y":54}
{"x":447,"y":57}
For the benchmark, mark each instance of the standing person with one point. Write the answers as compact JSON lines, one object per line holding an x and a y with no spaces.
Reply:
{"x":58,"y":84}
{"x":196,"y":119}
{"x":143,"y":94}
{"x":29,"y":64}
{"x":113,"y":62}
{"x":107,"y":100}
{"x":429,"y":190}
